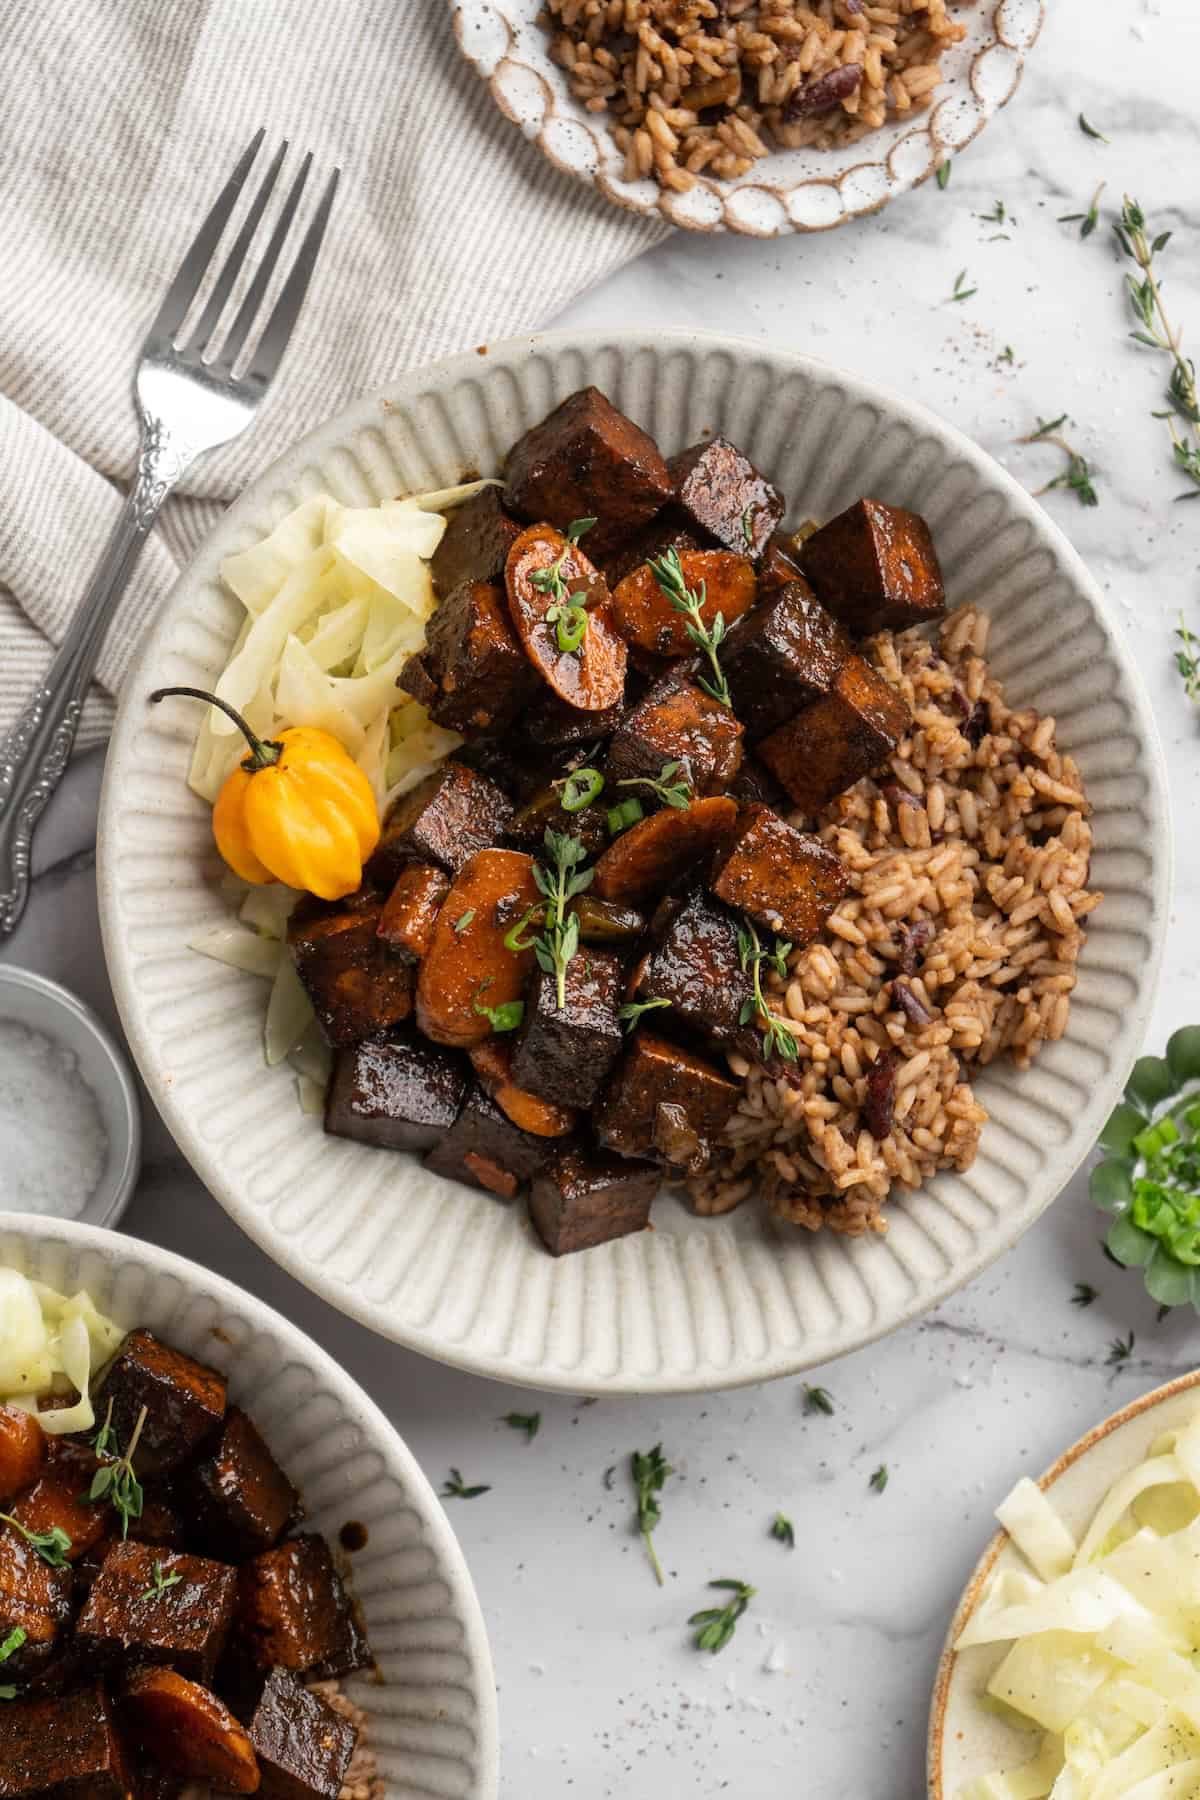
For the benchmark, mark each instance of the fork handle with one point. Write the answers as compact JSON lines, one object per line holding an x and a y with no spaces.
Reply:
{"x":34,"y":753}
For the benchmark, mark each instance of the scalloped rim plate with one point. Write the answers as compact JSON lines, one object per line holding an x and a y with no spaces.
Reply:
{"x":433,"y":1713}
{"x":693,"y":1304}
{"x":965,"y":1740}
{"x":789,"y":190}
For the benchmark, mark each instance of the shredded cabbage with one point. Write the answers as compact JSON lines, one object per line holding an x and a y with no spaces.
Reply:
{"x":1104,"y":1639}
{"x":51,"y":1344}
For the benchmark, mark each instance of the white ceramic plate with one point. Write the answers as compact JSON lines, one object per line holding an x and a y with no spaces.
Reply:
{"x":965,"y":1740}
{"x":790,"y":190}
{"x":433,"y":1715}
{"x":693,"y":1304}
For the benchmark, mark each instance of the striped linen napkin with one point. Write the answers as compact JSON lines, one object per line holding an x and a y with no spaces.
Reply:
{"x":119,"y":124}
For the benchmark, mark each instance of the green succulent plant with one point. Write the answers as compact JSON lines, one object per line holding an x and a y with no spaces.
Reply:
{"x":1149,"y":1179}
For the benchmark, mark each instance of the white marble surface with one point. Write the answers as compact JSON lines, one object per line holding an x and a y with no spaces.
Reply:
{"x":825,"y":1687}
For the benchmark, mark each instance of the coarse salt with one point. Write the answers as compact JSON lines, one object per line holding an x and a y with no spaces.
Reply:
{"x":52,"y":1140}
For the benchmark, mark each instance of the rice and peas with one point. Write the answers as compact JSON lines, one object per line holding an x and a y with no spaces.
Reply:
{"x":709,"y":87}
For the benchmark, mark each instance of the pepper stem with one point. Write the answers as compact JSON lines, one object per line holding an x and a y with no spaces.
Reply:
{"x":263,"y":751}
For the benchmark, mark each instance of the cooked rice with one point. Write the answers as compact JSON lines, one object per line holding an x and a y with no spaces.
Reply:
{"x":982,"y":848}
{"x":363,"y":1780}
{"x":710,"y":86}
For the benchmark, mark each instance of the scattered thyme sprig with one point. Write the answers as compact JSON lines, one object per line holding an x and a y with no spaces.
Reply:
{"x":1155,"y":332}
{"x":783,"y":1531}
{"x":1084,"y":1294}
{"x":52,"y":1546}
{"x":668,"y":572}
{"x":650,"y":1471}
{"x":9,"y":1647}
{"x":1187,"y":660}
{"x":818,"y":1400}
{"x":943,"y":173}
{"x":1088,"y":220}
{"x":778,"y":1036}
{"x":115,"y":1480}
{"x":529,"y":1423}
{"x":879,"y":1479}
{"x":961,"y":292}
{"x":568,"y":613}
{"x":559,"y":878}
{"x":453,"y":1488}
{"x":632,"y":1011}
{"x":1077,"y":475}
{"x":162,"y":1581}
{"x":669,"y":787}
{"x":718,"y":1623}
{"x":1120,"y":1351}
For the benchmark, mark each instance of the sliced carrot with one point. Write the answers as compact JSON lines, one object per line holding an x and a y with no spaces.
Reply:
{"x":22,"y":1450}
{"x":592,"y":676}
{"x":492,"y":1061}
{"x":188,"y":1731}
{"x":648,"y":857}
{"x":468,"y":966}
{"x":646,"y":617}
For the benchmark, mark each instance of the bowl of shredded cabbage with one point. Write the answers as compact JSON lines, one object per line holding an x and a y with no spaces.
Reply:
{"x":1072,"y":1666}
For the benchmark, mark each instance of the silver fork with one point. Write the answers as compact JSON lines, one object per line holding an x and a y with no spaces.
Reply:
{"x":187,"y":403}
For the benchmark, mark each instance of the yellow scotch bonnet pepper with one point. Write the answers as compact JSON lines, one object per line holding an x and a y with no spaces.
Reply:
{"x":297,"y":809}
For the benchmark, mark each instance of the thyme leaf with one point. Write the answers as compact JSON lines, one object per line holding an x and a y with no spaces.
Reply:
{"x":453,"y":1488}
{"x":1119,"y":1351}
{"x":818,"y":1400}
{"x":632,"y":1011}
{"x":529,"y":1423}
{"x":670,"y":788}
{"x":783,"y":1531}
{"x":650,"y":1471}
{"x":1077,"y":475}
{"x":1084,"y":1294}
{"x":52,"y":1546}
{"x":1156,"y":332}
{"x":717,"y":1624}
{"x":879,"y":1479}
{"x":961,"y":292}
{"x":778,"y":1037}
{"x":115,"y":1480}
{"x":1090,"y":131}
{"x":161,"y":1582}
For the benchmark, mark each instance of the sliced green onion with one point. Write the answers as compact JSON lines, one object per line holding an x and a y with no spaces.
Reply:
{"x":505,"y":1017}
{"x":620,"y":818}
{"x":570,"y":628}
{"x":580,"y":789}
{"x":513,"y":940}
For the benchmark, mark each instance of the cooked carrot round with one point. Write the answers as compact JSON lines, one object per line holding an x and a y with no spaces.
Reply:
{"x":468,"y":967}
{"x":189,"y":1731}
{"x":492,"y":1061}
{"x":590,"y":676}
{"x":648,"y":857}
{"x":645,"y":616}
{"x":22,"y":1450}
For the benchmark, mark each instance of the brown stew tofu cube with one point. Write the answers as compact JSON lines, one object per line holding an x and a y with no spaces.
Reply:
{"x":781,"y":657}
{"x":183,"y":1398}
{"x":677,"y":722}
{"x":721,"y":493}
{"x":658,"y":1097}
{"x":411,"y":909}
{"x":445,"y":819}
{"x":876,"y":569}
{"x":63,"y":1747}
{"x":583,"y":1199}
{"x":241,"y":1497}
{"x":668,"y":531}
{"x":838,"y":739}
{"x":357,"y":987}
{"x":403,"y":1093}
{"x":479,"y":670}
{"x":754,"y":785}
{"x":778,"y":564}
{"x":476,"y":542}
{"x":137,"y":1613}
{"x":564,"y":1052}
{"x":294,"y":1612}
{"x":22,"y":1450}
{"x":484,"y":1149}
{"x":696,"y":967}
{"x":35,"y":1599}
{"x":587,"y":460}
{"x":788,"y":882}
{"x":303,"y":1746}
{"x":58,"y":1498}
{"x":558,"y":725}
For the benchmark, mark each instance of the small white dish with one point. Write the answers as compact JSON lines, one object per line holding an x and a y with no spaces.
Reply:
{"x":42,"y":1005}
{"x":966,"y":1740}
{"x":432,"y":1709}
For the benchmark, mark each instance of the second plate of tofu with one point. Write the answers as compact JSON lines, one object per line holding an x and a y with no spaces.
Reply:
{"x":712,"y":894}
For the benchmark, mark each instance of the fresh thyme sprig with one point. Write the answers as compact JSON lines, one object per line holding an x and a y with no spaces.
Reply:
{"x":52,"y":1546}
{"x":1088,"y":220}
{"x":669,"y":787}
{"x":568,"y":613}
{"x":115,"y":1480}
{"x":1155,"y":332}
{"x":529,"y":1423}
{"x":961,"y":292}
{"x":632,"y":1011}
{"x":9,"y":1647}
{"x":668,"y":572}
{"x":783,"y":1531}
{"x":879,"y":1479}
{"x":1187,"y":660}
{"x":718,"y":1623}
{"x":453,"y":1488}
{"x":778,"y":1036}
{"x":162,"y":1581}
{"x":1084,"y":1294}
{"x":1120,"y":1351}
{"x":650,"y":1471}
{"x":560,"y":878}
{"x":1077,"y":475}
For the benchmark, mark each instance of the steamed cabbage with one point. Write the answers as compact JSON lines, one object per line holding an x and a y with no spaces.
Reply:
{"x":51,"y":1344}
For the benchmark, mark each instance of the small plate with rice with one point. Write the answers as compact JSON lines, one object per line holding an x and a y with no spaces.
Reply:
{"x":757,"y":116}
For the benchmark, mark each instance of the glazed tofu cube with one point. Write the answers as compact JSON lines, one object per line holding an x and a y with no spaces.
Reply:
{"x":158,"y":1524}
{"x":135,"y":1612}
{"x":357,"y":987}
{"x":479,"y":675}
{"x":35,"y":1599}
{"x":778,"y":565}
{"x":403,"y":1093}
{"x":557,"y":725}
{"x":445,"y":820}
{"x":721,"y":493}
{"x":63,"y":1747}
{"x":754,"y":785}
{"x":664,"y":1102}
{"x":676,"y":722}
{"x":302,"y":1744}
{"x":781,"y":657}
{"x":587,"y":460}
{"x":876,"y":569}
{"x":184,"y":1401}
{"x":787,"y":882}
{"x":668,"y":531}
{"x":582,"y":1200}
{"x":484,"y":1149}
{"x":696,"y":967}
{"x":241,"y":1498}
{"x":564,"y":1052}
{"x":294,"y":1612}
{"x":22,"y":1451}
{"x":544,"y":811}
{"x":476,"y":543}
{"x":58,"y":1498}
{"x":411,"y":909}
{"x":837,"y":740}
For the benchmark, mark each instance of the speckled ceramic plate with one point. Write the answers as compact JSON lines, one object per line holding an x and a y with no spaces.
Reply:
{"x":433,"y":1710}
{"x":966,"y":1740}
{"x":694,"y":1303}
{"x":790,"y":190}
